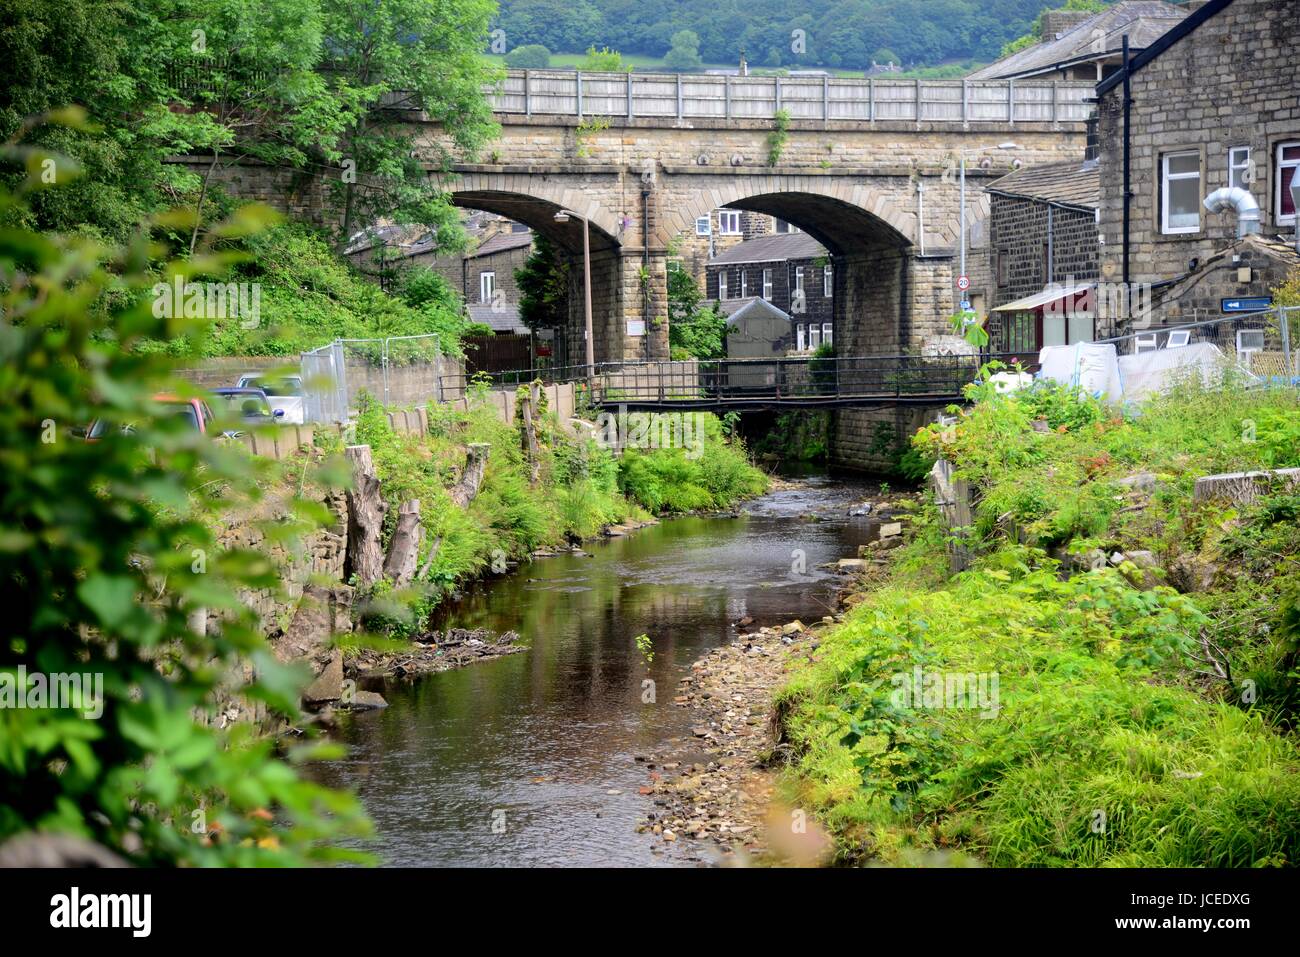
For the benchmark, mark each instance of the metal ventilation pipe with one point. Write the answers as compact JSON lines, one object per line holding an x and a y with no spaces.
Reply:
{"x":1240,"y":200}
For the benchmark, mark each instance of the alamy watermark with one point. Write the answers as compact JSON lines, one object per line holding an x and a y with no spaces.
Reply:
{"x":70,"y":690}
{"x":1101,"y":301}
{"x":931,"y":690}
{"x":643,"y":430}
{"x":209,"y":300}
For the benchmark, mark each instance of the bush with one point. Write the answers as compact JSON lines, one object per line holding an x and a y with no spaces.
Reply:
{"x":530,"y":56}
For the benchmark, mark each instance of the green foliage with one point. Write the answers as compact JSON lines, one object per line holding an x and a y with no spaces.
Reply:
{"x":684,"y":54}
{"x":1084,"y":720}
{"x":543,"y":284}
{"x":694,"y":329}
{"x":530,"y":56}
{"x":1165,"y":712}
{"x":106,"y":549}
{"x":841,"y":35}
{"x":776,"y":139}
{"x":604,"y":60}
{"x":680,"y":480}
{"x":798,"y":436}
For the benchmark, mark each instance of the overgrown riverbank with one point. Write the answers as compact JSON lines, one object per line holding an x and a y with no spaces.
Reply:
{"x":1015,"y":715}
{"x":574,"y":490}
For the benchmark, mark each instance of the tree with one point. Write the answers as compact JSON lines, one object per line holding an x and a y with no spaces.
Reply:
{"x":685,"y":51}
{"x":543,"y":283}
{"x":108,"y":550}
{"x":412,"y":53}
{"x":531,"y":56}
{"x":885,"y":55}
{"x":604,"y":60}
{"x":694,"y":329}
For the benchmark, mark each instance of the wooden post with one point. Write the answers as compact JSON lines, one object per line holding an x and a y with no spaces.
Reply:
{"x":528,"y":93}
{"x":680,"y":112}
{"x":578,"y":77}
{"x":1011,"y":102}
{"x":871,"y":100}
{"x":630,"y":114}
{"x":726,"y":97}
{"x":364,"y":558}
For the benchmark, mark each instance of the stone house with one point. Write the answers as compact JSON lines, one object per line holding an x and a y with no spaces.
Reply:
{"x":1214,"y":103}
{"x":791,"y":271}
{"x":1079,"y":45}
{"x":720,"y":231}
{"x":1043,"y":247}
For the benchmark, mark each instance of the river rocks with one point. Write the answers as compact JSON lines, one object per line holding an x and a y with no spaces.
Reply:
{"x":713,"y":798}
{"x":328,"y":685}
{"x":860,"y":511}
{"x":366,"y":701}
{"x":891,"y":529}
{"x":851,"y":564}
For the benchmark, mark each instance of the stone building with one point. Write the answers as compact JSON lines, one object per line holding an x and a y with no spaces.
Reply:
{"x":721,"y":230}
{"x":792,"y":271}
{"x":1042,"y":244}
{"x":1214,"y":103}
{"x":1080,"y":45}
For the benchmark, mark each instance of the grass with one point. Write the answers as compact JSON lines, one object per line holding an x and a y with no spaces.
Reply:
{"x":1110,"y":746}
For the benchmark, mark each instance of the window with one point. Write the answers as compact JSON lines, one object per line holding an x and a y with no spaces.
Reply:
{"x":781,"y":226}
{"x":828,"y":284}
{"x":1180,"y":193}
{"x":767,"y":284}
{"x":744,"y":284}
{"x":722,"y":285}
{"x":798,"y":279}
{"x":1239,"y":167}
{"x":801,"y":335}
{"x":729,"y":223}
{"x":826,"y":333}
{"x":703,"y":227}
{"x":1288,"y":161}
{"x":487,"y":286}
{"x":814,"y":335}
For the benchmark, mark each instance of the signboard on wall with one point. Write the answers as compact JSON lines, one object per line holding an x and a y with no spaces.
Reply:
{"x":636,"y":327}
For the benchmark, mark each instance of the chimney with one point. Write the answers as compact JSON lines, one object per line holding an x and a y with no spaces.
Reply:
{"x":1056,"y":22}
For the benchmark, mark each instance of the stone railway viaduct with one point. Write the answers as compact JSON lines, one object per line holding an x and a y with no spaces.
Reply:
{"x":867,"y":168}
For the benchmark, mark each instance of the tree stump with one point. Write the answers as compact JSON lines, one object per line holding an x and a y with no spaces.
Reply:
{"x":404,"y":548}
{"x":465,"y":491}
{"x":365,"y":555}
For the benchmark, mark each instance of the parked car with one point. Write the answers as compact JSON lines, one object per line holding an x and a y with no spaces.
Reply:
{"x":251,"y":406}
{"x":195,"y":412}
{"x":282,"y":391}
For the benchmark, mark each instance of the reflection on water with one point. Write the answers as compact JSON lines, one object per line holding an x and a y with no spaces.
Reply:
{"x":535,"y":743}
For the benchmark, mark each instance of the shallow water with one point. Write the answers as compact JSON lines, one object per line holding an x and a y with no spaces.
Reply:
{"x":512,"y":761}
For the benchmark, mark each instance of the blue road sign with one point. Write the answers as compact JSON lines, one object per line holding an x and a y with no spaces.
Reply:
{"x":1246,"y":304}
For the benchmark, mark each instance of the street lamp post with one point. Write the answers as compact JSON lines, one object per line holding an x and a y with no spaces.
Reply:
{"x":964,"y":151}
{"x":563,"y":217}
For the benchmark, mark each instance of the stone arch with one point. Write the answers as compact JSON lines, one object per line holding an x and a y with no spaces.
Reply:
{"x":534,"y":201}
{"x":856,"y":208}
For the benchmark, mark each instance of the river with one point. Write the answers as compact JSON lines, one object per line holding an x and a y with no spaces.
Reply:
{"x":529,"y":759}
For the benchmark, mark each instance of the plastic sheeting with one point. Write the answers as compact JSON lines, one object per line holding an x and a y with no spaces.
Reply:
{"x":1095,"y":367}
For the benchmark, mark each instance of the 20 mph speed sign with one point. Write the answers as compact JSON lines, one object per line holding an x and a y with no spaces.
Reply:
{"x":963,"y":283}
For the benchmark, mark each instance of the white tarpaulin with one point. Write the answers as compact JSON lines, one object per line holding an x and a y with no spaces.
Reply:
{"x":1150,"y":372}
{"x":1091,"y":366}
{"x":1095,"y":368}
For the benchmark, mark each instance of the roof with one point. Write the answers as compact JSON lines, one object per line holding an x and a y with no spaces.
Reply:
{"x":1051,"y":293}
{"x":1145,"y":21}
{"x":502,"y":242}
{"x":735,"y":309}
{"x":775,"y":248}
{"x":1154,"y":50}
{"x":1074,"y":183}
{"x":501,"y":317}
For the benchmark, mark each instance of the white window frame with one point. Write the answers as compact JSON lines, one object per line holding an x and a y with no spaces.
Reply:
{"x":703,"y":226}
{"x":722,"y":285}
{"x":801,"y":337}
{"x":1165,"y":178}
{"x":487,"y":285}
{"x":828,"y":336}
{"x":798,"y":279}
{"x":1239,"y":166}
{"x":814,"y":335}
{"x":729,"y":222}
{"x":767,"y":284}
{"x":744,"y":284}
{"x":828,"y":282}
{"x":1278,"y":218}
